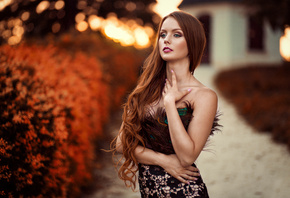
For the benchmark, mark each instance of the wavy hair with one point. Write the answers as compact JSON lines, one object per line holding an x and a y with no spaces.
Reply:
{"x":149,"y":90}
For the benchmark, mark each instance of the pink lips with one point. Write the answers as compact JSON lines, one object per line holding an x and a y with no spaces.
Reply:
{"x":167,"y":49}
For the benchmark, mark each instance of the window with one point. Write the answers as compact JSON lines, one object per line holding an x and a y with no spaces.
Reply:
{"x":255,"y":34}
{"x":206,"y":21}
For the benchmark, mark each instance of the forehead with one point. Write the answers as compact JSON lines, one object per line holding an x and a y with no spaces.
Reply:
{"x":170,"y":24}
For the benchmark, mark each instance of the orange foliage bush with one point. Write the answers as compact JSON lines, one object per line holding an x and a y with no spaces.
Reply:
{"x":121,"y":66}
{"x":52,"y":108}
{"x":54,"y":101}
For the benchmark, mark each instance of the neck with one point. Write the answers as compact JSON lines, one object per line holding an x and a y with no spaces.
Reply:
{"x":181,"y":70}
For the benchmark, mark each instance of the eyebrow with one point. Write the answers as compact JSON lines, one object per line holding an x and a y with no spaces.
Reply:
{"x":171,"y":30}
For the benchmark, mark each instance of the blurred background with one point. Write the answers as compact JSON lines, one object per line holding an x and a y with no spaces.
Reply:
{"x":66,"y":67}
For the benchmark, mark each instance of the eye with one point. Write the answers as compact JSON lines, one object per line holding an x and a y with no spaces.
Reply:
{"x":162,"y":35}
{"x":177,"y":35}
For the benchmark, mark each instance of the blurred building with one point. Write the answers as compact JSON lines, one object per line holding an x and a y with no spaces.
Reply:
{"x":235,"y":38}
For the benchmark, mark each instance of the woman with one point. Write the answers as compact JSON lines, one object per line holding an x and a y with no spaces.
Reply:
{"x":169,"y":115}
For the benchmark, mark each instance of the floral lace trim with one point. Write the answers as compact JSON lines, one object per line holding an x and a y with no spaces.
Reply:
{"x":155,"y":182}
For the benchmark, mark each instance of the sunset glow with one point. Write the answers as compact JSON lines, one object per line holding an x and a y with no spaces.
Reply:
{"x":164,"y":7}
{"x":130,"y":32}
{"x":285,"y":45}
{"x":127,"y":34}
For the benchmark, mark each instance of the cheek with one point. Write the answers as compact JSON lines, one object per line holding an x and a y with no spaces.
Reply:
{"x":182,"y":46}
{"x":160,"y":47}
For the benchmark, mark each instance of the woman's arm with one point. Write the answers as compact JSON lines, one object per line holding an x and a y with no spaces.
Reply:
{"x":169,"y":163}
{"x":189,"y":144}
{"x":143,"y":155}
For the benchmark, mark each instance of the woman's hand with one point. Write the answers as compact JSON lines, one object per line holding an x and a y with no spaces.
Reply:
{"x":174,"y":168}
{"x":170,"y":91}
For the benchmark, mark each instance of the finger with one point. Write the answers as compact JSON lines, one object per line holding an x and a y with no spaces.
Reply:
{"x":182,"y":180}
{"x":167,"y":84}
{"x":164,"y":91}
{"x":173,"y":78}
{"x":192,"y":169}
{"x":192,"y":174}
{"x":188,"y":177}
{"x":185,"y":92}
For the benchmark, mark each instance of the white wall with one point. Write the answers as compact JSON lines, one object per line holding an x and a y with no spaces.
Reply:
{"x":229,"y":36}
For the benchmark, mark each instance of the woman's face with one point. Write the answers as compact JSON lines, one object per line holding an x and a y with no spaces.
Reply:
{"x":172,"y":43}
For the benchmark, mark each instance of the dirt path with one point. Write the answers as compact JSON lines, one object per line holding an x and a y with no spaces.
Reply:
{"x":242,"y":163}
{"x":108,"y":184}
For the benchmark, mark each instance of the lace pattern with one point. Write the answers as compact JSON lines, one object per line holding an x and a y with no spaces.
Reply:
{"x":155,"y":182}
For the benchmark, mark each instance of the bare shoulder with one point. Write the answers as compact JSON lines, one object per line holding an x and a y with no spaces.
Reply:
{"x":206,"y":92}
{"x":203,"y":96}
{"x":202,"y":93}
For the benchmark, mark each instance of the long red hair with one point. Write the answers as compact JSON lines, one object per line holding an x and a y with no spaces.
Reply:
{"x":149,"y":90}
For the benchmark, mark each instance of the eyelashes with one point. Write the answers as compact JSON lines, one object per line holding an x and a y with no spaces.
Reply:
{"x":162,"y":35}
{"x":176,"y":35}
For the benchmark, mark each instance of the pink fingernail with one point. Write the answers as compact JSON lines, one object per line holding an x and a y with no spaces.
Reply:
{"x":171,"y":70}
{"x":189,"y":90}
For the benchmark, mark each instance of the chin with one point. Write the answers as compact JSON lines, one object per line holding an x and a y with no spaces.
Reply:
{"x":168,"y":59}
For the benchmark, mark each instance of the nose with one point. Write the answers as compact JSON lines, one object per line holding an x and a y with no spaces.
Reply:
{"x":166,"y":40}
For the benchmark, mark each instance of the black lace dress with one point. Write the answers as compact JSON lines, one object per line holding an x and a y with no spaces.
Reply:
{"x":154,"y":181}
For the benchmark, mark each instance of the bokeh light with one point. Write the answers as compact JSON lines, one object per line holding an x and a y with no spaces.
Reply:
{"x":95,"y":22}
{"x":132,"y":32}
{"x":82,"y":26}
{"x":42,"y":6}
{"x":25,"y":16}
{"x":80,"y":17}
{"x":285,"y":44}
{"x":141,"y":36}
{"x":118,"y":31}
{"x":131,"y":6}
{"x":13,"y":40}
{"x":127,"y":32}
{"x":4,"y":3}
{"x":56,"y":27}
{"x":59,"y":5}
{"x":164,"y":7}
